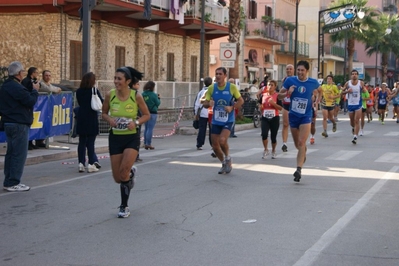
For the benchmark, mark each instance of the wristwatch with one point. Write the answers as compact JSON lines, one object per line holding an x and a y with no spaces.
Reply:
{"x":137,"y":122}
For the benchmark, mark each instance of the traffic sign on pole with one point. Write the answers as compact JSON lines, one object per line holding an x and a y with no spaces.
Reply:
{"x":228,"y":51}
{"x":228,"y":64}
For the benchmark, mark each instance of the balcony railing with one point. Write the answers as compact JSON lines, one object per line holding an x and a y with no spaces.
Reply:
{"x":303,"y":48}
{"x":266,"y":30}
{"x":214,"y":13}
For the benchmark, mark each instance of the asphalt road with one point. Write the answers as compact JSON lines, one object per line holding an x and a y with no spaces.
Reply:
{"x":344,"y":211}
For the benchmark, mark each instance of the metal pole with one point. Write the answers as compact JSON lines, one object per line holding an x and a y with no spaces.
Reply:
{"x":376,"y":61}
{"x":86,"y":37}
{"x":202,"y":45}
{"x":296,"y":35}
{"x":318,"y":45}
{"x":346,"y":54}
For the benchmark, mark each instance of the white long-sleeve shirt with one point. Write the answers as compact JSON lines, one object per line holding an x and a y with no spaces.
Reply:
{"x":197,"y":104}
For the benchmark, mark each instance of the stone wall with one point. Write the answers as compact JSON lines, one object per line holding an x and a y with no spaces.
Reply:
{"x":43,"y":41}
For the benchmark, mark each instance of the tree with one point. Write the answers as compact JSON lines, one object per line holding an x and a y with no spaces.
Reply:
{"x":360,"y":25}
{"x":383,"y":39}
{"x":235,"y":33}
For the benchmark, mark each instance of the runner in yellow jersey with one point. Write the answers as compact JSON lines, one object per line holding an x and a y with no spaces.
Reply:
{"x":330,"y":94}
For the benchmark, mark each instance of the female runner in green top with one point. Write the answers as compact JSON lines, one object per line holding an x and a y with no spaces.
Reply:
{"x":120,"y":111}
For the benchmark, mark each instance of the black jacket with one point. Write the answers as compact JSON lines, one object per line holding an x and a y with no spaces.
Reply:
{"x":87,"y":118}
{"x":16,"y":102}
{"x":27,"y":82}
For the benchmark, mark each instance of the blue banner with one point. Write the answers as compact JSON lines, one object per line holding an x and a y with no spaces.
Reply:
{"x":52,"y":116}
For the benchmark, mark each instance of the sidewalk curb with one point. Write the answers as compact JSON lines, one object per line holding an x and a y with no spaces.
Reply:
{"x":55,"y":157}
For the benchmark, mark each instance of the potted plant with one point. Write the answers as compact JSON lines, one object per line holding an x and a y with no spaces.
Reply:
{"x":290,"y":26}
{"x":279,"y":23}
{"x":267,"y":19}
{"x":256,"y":32}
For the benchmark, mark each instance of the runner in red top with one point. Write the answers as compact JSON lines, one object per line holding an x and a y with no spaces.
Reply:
{"x":270,"y":118}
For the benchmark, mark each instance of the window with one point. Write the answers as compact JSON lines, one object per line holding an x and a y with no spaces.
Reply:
{"x":170,"y":67}
{"x":119,"y":56}
{"x":75,"y":67}
{"x":252,"y":9}
{"x":268,"y":11}
{"x":193,"y":74}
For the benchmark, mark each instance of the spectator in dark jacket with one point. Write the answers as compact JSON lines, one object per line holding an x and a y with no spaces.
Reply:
{"x":87,"y":123}
{"x":28,"y":81}
{"x":16,"y":108}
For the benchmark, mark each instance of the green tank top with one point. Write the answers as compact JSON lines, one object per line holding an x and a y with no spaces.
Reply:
{"x":124,"y":111}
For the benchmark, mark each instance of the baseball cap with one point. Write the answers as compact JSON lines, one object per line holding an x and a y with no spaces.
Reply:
{"x":384,"y":83}
{"x":339,"y":84}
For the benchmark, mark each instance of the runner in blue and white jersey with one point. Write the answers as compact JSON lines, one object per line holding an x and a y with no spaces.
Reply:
{"x":300,"y":88}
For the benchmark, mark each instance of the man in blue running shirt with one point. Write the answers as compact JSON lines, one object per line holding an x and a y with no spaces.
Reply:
{"x":223,"y":94}
{"x":301,"y":88}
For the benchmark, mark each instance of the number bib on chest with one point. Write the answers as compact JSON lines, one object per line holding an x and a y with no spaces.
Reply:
{"x":269,"y":114}
{"x":382,"y":101}
{"x":220,"y":114}
{"x":122,"y":123}
{"x":299,"y":105}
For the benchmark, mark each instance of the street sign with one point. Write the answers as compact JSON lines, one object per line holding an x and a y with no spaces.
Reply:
{"x":359,"y":66}
{"x":228,"y":64}
{"x":228,"y":51}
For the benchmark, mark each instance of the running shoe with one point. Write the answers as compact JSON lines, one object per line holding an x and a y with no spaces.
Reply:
{"x":81,"y":168}
{"x":324,"y":134}
{"x":361,"y":132}
{"x":123,"y":212}
{"x":213,"y":155}
{"x":274,"y":155}
{"x":354,"y":140}
{"x":312,"y":140}
{"x":97,"y":165}
{"x":382,"y":123}
{"x":334,"y":127}
{"x":284,"y":148}
{"x":223,"y":169}
{"x":91,"y":168}
{"x":228,"y":166}
{"x":265,"y":153}
{"x":297,"y":176}
{"x":17,"y":188}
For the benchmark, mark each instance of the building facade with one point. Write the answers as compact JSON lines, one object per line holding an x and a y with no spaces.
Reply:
{"x":45,"y":34}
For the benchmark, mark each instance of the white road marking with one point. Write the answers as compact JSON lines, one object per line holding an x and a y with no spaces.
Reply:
{"x":343,"y":155}
{"x":313,"y":253}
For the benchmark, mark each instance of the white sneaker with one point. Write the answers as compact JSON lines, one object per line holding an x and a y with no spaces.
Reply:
{"x":265,"y":154}
{"x":81,"y":168}
{"x":361,"y":133}
{"x":17,"y":188}
{"x":92,"y":168}
{"x":274,"y":155}
{"x":123,"y":212}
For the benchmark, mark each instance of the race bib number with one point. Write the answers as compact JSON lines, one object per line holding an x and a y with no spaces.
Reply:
{"x":353,"y":99}
{"x":299,"y":105}
{"x":269,"y":114}
{"x":382,"y":101}
{"x":370,"y":102}
{"x":221,"y":115}
{"x":122,"y":123}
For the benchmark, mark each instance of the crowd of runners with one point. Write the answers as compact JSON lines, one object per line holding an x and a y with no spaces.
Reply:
{"x":299,"y":101}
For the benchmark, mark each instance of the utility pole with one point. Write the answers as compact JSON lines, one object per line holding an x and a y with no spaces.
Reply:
{"x":87,"y":7}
